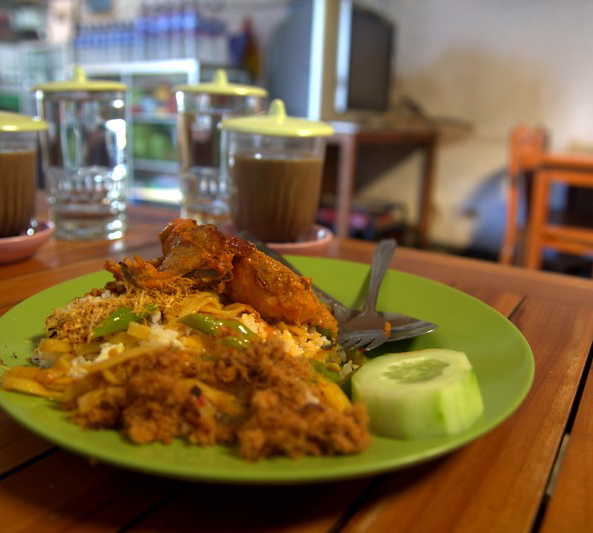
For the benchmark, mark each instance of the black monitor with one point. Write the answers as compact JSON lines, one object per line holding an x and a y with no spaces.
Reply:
{"x":330,"y":57}
{"x":364,"y":62}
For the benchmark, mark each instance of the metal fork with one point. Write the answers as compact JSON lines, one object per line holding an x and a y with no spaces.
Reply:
{"x":402,"y":326}
{"x":368,"y":319}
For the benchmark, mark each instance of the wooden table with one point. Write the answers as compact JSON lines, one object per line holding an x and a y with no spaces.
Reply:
{"x":501,"y":482}
{"x":411,"y":139}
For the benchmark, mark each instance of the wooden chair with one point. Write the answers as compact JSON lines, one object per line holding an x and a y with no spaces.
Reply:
{"x":526,"y":148}
{"x":530,"y":158}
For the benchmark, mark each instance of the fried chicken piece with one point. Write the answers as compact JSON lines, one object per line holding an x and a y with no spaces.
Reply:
{"x":277,"y":292}
{"x":253,"y":278}
{"x":228,"y":265}
{"x":199,"y":252}
{"x":141,"y":273}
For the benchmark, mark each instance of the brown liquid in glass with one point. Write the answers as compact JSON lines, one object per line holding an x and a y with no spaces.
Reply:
{"x":275,"y":199}
{"x":17,"y":191}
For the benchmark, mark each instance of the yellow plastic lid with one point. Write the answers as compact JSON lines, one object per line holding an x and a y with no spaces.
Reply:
{"x":79,"y":82}
{"x":10,"y":122}
{"x":277,"y":123}
{"x":220,"y":85}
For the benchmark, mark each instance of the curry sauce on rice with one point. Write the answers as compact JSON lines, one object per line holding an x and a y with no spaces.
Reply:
{"x":213,"y":342}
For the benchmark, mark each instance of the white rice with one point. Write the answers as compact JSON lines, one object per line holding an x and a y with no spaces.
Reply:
{"x":251,"y":322}
{"x":160,"y":337}
{"x":79,"y":365}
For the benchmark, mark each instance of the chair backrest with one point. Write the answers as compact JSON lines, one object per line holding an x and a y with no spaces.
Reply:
{"x":527,"y":146}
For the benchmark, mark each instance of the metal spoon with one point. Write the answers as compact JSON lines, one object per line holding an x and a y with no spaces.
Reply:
{"x":369,"y":319}
{"x":402,"y":326}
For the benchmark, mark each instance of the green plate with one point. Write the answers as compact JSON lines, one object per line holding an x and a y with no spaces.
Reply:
{"x":500,"y":355}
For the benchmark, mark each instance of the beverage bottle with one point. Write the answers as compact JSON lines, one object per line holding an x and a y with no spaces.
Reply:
{"x":176,"y":33}
{"x":237,"y":41}
{"x":190,"y":28}
{"x":104,"y":42}
{"x":127,"y":41}
{"x":162,"y":32}
{"x":88,"y":44}
{"x":252,"y":58}
{"x":111,"y":43}
{"x":94,"y":43}
{"x":151,"y":49}
{"x":204,"y":33}
{"x":220,"y":43}
{"x":79,"y":45}
{"x":140,"y":29}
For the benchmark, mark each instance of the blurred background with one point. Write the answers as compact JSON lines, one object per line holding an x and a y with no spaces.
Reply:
{"x":468,"y":71}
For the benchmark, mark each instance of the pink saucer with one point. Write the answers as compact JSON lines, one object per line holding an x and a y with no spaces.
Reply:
{"x":23,"y":246}
{"x":315,"y":242}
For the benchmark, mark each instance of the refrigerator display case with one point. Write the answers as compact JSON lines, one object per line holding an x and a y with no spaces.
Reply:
{"x":25,"y":64}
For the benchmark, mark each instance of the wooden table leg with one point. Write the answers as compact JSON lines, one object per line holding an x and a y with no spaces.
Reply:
{"x":425,"y":200}
{"x":346,"y":169}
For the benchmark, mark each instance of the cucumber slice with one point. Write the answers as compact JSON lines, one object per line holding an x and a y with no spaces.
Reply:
{"x":426,"y":393}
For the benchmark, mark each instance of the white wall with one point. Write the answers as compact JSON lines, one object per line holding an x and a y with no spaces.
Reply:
{"x":494,"y":64}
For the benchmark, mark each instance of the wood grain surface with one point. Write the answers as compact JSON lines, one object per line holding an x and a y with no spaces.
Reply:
{"x":496,"y":483}
{"x":570,"y":506}
{"x":499,"y":480}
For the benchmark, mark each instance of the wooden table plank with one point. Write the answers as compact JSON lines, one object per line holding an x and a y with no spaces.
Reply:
{"x":505,"y":302}
{"x":476,"y":273}
{"x":497,"y":482}
{"x":65,"y":492}
{"x":59,"y":253}
{"x":225,"y":509}
{"x":569,"y":508}
{"x":145,"y":222}
{"x":17,"y":444}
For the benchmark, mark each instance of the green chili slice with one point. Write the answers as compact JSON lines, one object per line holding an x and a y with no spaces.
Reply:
{"x":240,"y":335}
{"x":117,"y":321}
{"x":320,"y":368}
{"x":202,"y":322}
{"x":120,"y":319}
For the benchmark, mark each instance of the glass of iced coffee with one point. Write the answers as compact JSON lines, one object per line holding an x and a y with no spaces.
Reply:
{"x":275,"y":164}
{"x":18,"y":172}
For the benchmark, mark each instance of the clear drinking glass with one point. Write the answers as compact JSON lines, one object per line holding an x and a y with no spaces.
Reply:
{"x":201,"y":108}
{"x":85,"y":159}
